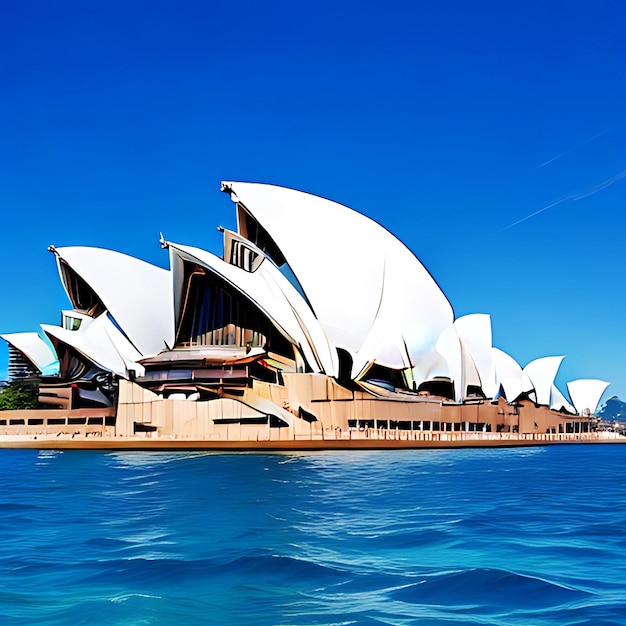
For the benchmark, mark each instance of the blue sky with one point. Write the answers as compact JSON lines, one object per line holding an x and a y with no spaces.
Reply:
{"x":448,"y":122}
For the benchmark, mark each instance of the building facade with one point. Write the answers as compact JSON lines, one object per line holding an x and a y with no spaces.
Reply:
{"x":315,"y":324}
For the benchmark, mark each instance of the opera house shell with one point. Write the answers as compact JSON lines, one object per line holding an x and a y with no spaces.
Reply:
{"x":316,"y":327}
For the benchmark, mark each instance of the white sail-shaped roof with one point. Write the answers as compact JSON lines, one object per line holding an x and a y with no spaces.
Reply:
{"x":339,"y":255}
{"x":310,"y":325}
{"x":438,"y":366}
{"x":470,"y":371}
{"x":137,"y":294}
{"x":449,"y":347}
{"x":558,"y":401}
{"x":385,"y":343}
{"x":586,"y":394}
{"x":475,"y":334}
{"x":264,"y":287}
{"x":508,"y":375}
{"x":35,"y":349}
{"x":491,"y":387}
{"x":542,"y":373}
{"x":100,"y":341}
{"x":461,"y":367}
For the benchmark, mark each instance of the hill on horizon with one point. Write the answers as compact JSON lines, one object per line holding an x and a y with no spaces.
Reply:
{"x":613,"y":410}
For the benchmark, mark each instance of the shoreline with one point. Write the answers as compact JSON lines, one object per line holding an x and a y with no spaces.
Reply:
{"x":162,"y":444}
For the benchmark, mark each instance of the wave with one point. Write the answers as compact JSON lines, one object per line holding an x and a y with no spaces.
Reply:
{"x":279,"y":569}
{"x":489,"y":587}
{"x":127,"y":596}
{"x":410,"y":537}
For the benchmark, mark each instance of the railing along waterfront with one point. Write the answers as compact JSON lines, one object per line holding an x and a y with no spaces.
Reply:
{"x":89,"y":423}
{"x":427,"y":436}
{"x":281,"y":435}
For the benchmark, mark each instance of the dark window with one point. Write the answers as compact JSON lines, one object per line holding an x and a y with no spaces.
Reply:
{"x":254,"y":232}
{"x":215,"y":313}
{"x":277,"y":422}
{"x":474,"y":391}
{"x":72,"y":364}
{"x":143,"y":428}
{"x":385,"y":377}
{"x":247,"y":420}
{"x":242,"y":256}
{"x":261,"y":372}
{"x":344,"y":377}
{"x":441,"y":387}
{"x":82,"y":296}
{"x":306,"y":416}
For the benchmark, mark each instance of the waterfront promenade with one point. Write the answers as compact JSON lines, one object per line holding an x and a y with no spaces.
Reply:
{"x":368,"y":439}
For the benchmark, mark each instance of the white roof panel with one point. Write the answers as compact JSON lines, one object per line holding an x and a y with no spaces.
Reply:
{"x":35,"y":349}
{"x":475,"y":334}
{"x":449,"y":347}
{"x":508,"y":374}
{"x":558,"y":401}
{"x":542,"y":373}
{"x":265,"y":287}
{"x":137,"y":294}
{"x":461,"y":366}
{"x":102,"y":343}
{"x":339,"y":255}
{"x":586,"y":394}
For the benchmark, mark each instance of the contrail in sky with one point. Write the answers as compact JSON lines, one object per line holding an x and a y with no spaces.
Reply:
{"x":578,"y":145}
{"x":572,"y":197}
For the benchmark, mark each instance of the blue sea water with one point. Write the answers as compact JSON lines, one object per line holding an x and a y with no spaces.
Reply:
{"x":511,"y":536}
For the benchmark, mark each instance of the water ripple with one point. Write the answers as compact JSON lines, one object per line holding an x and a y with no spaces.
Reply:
{"x":484,"y":537}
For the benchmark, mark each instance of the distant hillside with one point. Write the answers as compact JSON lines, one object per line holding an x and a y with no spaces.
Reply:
{"x":613,"y":409}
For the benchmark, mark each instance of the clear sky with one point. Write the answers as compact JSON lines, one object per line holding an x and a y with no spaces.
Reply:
{"x":448,"y":122}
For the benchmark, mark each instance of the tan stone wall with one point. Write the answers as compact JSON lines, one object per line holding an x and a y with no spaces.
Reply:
{"x":185,"y":419}
{"x":77,"y":422}
{"x":340,"y":414}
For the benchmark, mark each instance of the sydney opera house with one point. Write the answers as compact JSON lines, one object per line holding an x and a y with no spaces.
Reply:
{"x":279,"y":342}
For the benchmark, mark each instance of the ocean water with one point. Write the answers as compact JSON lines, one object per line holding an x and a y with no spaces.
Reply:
{"x":513,"y":536}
